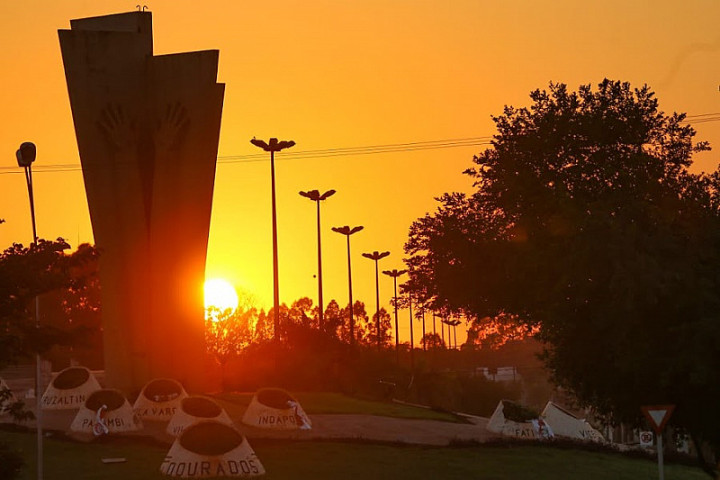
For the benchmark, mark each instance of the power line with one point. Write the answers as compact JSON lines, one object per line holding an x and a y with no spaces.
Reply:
{"x":305,"y":154}
{"x":349,"y":151}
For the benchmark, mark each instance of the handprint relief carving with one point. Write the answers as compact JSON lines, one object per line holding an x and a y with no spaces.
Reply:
{"x":170,"y":128}
{"x":118,"y":129}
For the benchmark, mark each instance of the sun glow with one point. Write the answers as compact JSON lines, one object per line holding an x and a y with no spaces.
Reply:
{"x":220,"y":294}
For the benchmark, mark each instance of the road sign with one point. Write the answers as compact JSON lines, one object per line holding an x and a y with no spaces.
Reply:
{"x":658,"y":415}
{"x":646,"y":439}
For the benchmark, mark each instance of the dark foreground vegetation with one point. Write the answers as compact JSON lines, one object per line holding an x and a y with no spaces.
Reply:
{"x":319,"y":460}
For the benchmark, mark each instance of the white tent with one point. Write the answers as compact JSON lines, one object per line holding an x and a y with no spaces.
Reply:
{"x":276,"y":409}
{"x":159,"y":399}
{"x":69,"y":389}
{"x":211,"y":449}
{"x":565,"y":424}
{"x":105,"y":411}
{"x":194,"y":409}
{"x":514,"y":426}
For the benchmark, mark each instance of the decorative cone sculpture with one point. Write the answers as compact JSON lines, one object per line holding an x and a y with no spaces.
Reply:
{"x":159,"y":400}
{"x":105,"y":412}
{"x":211,"y":449}
{"x":274,"y":408}
{"x":195,"y":409}
{"x":69,"y":389}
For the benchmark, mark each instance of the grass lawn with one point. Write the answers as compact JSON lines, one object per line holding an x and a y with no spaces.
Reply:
{"x":315,"y":403}
{"x":331,"y":460}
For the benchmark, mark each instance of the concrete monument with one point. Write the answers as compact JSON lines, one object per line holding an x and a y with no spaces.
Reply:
{"x":147,"y":129}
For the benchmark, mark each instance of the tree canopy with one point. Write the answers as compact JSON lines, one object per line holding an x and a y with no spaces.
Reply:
{"x":587,"y":224}
{"x":27,"y":272}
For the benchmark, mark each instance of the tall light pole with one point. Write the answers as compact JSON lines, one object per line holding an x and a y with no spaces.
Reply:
{"x":25,"y":157}
{"x":315,"y":196}
{"x":347,"y":231}
{"x":395,"y":273}
{"x":434,"y":329}
{"x":377,"y":256}
{"x":422,"y":313}
{"x":412,"y":342}
{"x":274,"y":146}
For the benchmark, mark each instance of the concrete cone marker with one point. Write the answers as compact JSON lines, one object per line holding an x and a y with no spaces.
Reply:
{"x":69,"y":389}
{"x":276,"y":409}
{"x":194,"y":409}
{"x":159,"y":399}
{"x":211,"y":449}
{"x":520,"y":428}
{"x":109,"y":408}
{"x":565,"y":424}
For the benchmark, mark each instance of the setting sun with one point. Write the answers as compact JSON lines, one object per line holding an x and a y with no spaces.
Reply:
{"x":220,"y":294}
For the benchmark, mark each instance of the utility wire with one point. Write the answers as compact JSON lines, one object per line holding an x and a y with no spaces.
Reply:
{"x":348,"y":151}
{"x":303,"y":154}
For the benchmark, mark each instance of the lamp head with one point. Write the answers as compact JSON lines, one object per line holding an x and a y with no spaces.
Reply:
{"x":260,"y":144}
{"x":26,"y":154}
{"x":327,"y":194}
{"x":311,"y":194}
{"x":282,"y":145}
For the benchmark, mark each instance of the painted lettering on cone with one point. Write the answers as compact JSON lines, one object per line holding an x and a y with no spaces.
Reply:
{"x":205,"y":468}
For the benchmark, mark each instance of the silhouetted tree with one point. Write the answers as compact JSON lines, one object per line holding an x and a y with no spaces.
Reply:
{"x":303,"y":313}
{"x":432,"y":341}
{"x":27,"y":272}
{"x":264,"y":327}
{"x":361,"y":324}
{"x":333,"y":319}
{"x":386,"y":336}
{"x":228,"y":332}
{"x":494,"y":332}
{"x":77,"y":307}
{"x":587,"y":223}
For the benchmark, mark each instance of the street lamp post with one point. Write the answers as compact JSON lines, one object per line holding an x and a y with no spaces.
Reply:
{"x":274,"y":146}
{"x":412,"y":342}
{"x":424,"y":341}
{"x":377,"y":256}
{"x":434,"y":327}
{"x":442,"y":333}
{"x":395,"y":273}
{"x":315,"y":196}
{"x":25,"y":157}
{"x":347,"y":231}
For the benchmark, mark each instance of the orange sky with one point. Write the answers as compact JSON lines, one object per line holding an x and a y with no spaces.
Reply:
{"x":331,"y":74}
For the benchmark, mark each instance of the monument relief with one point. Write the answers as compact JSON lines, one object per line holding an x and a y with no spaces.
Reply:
{"x":147,"y":129}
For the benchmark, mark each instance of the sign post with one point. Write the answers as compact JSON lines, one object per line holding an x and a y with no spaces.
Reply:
{"x":658,"y":415}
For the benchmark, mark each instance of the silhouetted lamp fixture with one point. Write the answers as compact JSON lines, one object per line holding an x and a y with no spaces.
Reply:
{"x":395,"y":273}
{"x":25,"y":156}
{"x":377,"y":256}
{"x":274,"y":146}
{"x":347,"y":231}
{"x":316,"y":197}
